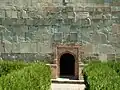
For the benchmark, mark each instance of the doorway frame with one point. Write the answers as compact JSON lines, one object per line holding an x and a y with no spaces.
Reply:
{"x":71,"y":49}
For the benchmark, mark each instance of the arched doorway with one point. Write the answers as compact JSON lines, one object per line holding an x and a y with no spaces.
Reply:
{"x":67,"y":66}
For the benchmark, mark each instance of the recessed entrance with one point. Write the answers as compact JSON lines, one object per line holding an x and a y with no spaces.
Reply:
{"x":67,"y":66}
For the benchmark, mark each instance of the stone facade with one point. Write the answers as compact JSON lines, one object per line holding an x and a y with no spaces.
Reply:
{"x":31,"y":29}
{"x":34,"y":26}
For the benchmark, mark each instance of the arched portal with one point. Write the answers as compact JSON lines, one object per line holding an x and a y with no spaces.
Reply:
{"x":67,"y":65}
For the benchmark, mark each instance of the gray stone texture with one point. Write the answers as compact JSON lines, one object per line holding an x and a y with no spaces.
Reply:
{"x":31,"y":26}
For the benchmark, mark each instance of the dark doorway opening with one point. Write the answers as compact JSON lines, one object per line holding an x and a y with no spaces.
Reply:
{"x":67,"y":66}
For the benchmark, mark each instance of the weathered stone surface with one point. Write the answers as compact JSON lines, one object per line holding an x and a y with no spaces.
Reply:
{"x":115,"y":8}
{"x":29,"y":21}
{"x":110,"y":56}
{"x":24,"y":14}
{"x":45,"y":48}
{"x":26,"y":47}
{"x":116,"y":28}
{"x":82,"y":15}
{"x":103,"y":57}
{"x":2,"y":13}
{"x":71,"y":15}
{"x":14,"y":14}
{"x":58,"y":37}
{"x":9,"y":13}
{"x":38,"y":20}
{"x":21,"y":22}
{"x":106,"y":49}
{"x":15,"y":47}
{"x":103,"y":38}
{"x":88,"y":49}
{"x":73,"y":36}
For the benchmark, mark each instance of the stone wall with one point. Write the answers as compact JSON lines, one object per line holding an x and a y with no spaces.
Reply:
{"x":34,"y":26}
{"x":28,"y":57}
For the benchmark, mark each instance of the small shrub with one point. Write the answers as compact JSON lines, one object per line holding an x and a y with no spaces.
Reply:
{"x":115,"y":66}
{"x":9,"y":66}
{"x":34,"y":77}
{"x":99,"y":76}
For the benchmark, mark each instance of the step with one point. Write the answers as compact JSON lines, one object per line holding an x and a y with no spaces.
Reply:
{"x":59,"y":80}
{"x":66,"y":86}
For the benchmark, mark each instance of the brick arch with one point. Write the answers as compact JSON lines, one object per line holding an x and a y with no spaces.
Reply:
{"x":69,"y":52}
{"x":70,"y":49}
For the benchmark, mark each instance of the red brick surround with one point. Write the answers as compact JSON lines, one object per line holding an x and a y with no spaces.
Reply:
{"x":71,"y":49}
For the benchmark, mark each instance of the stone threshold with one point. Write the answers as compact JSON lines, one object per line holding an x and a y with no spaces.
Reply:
{"x":67,"y":81}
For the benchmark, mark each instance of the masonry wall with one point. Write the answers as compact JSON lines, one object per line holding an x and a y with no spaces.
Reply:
{"x":36,"y":26}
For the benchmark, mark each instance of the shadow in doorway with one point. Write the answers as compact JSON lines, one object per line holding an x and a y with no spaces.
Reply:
{"x":67,"y":66}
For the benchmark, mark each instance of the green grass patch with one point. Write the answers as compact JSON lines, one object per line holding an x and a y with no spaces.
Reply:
{"x":34,"y":77}
{"x":100,"y":76}
{"x":10,"y":66}
{"x":115,"y":66}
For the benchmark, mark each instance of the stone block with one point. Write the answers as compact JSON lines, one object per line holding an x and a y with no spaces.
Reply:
{"x":78,"y":9}
{"x":25,"y":47}
{"x":17,"y":29}
{"x":99,"y":9}
{"x":24,"y":28}
{"x":69,"y":9}
{"x":33,"y":14}
{"x":118,"y":57}
{"x":78,"y":22}
{"x":8,"y":47}
{"x":1,"y":19}
{"x":97,"y":17}
{"x":82,"y":15}
{"x":47,"y":21}
{"x":64,"y":28}
{"x":58,"y":36}
{"x":106,"y":49}
{"x":71,"y":15}
{"x":110,"y":56}
{"x":9,"y":13}
{"x":88,"y":48}
{"x":13,"y":21}
{"x":89,"y":9}
{"x":28,"y":47}
{"x":116,"y":28}
{"x":19,"y":14}
{"x":95,"y":37}
{"x":33,"y":28}
{"x":14,"y":14}
{"x":8,"y":2}
{"x":58,"y":8}
{"x":103,"y":38}
{"x":1,"y":48}
{"x":73,"y":36}
{"x":69,"y":21}
{"x":107,"y":9}
{"x":38,"y":46}
{"x":45,"y":48}
{"x":115,"y":8}
{"x":33,"y":48}
{"x":54,"y":70}
{"x":21,"y":22}
{"x":9,"y":21}
{"x":16,"y":47}
{"x":16,"y":2}
{"x":29,"y":22}
{"x":24,"y":14}
{"x":2,"y":13}
{"x":103,"y":57}
{"x":56,"y":1}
